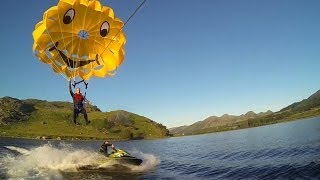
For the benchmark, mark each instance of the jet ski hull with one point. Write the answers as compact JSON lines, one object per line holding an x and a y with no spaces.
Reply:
{"x":122,"y":157}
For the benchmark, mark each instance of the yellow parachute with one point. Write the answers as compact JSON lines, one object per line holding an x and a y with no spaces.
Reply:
{"x":80,"y":38}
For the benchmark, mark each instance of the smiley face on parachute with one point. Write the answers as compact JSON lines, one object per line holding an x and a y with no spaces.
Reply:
{"x":80,"y":38}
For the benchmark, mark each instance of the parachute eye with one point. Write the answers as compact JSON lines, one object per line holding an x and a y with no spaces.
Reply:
{"x":104,"y":29}
{"x":68,"y":16}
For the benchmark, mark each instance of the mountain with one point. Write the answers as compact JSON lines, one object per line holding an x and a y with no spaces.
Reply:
{"x":304,"y":105}
{"x":214,"y":121}
{"x":306,"y":108}
{"x":34,"y":118}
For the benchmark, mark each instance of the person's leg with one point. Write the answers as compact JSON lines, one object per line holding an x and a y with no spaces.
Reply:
{"x":75,"y":115}
{"x":84,"y":112}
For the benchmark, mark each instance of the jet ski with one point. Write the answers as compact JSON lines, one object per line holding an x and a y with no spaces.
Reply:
{"x":122,"y":157}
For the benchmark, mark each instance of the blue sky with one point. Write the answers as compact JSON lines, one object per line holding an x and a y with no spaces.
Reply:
{"x":185,"y":60}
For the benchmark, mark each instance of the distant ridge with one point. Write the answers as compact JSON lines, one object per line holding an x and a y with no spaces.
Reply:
{"x":214,"y":121}
{"x":306,"y":108}
{"x":306,"y":104}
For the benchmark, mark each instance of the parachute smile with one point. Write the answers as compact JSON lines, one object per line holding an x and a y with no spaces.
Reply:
{"x":78,"y":62}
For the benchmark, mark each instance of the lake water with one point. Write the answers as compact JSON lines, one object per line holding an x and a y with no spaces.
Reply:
{"x":280,"y":151}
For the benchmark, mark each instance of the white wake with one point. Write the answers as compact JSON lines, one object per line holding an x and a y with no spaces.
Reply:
{"x":47,"y":161}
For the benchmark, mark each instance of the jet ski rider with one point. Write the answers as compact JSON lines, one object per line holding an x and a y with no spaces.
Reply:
{"x":104,"y":148}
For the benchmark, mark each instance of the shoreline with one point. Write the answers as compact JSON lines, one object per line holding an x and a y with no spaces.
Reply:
{"x":284,"y":121}
{"x":174,"y":136}
{"x":77,"y":139}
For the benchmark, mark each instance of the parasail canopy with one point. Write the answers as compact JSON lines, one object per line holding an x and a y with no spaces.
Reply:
{"x":80,"y":38}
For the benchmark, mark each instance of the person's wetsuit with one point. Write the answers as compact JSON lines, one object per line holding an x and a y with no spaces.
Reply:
{"x":104,"y":148}
{"x":78,"y":106}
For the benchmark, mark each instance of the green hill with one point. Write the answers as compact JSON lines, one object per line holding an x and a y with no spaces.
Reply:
{"x":33,"y":118}
{"x":304,"y":105}
{"x":306,"y":108}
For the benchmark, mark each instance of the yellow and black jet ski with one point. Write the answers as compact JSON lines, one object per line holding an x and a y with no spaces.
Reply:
{"x":122,"y":157}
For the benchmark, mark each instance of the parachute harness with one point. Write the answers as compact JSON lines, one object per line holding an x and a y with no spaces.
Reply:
{"x":86,"y":87}
{"x":75,"y":83}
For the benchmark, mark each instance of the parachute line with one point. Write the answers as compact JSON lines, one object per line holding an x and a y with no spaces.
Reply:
{"x":83,"y":23}
{"x":54,"y":45}
{"x":94,"y":44}
{"x":73,"y":63}
{"x":134,"y":13}
{"x":64,"y":43}
{"x":56,"y":66}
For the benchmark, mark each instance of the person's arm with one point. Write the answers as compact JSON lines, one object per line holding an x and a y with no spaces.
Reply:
{"x":113,"y":148}
{"x":102,"y":149}
{"x":70,"y":89}
{"x":86,"y":100}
